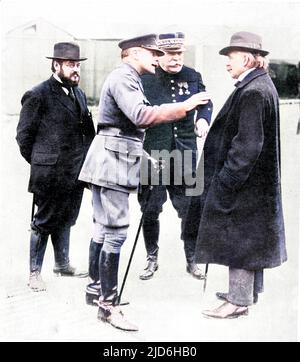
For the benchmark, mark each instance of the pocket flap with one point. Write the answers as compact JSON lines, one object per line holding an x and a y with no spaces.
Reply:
{"x":121,"y":145}
{"x":44,"y":158}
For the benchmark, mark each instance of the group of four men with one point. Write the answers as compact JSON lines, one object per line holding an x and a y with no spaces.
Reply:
{"x":152,"y":102}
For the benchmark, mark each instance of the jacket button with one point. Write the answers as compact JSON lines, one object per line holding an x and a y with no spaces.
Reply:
{"x":172,"y":81}
{"x":175,"y":135}
{"x":173,"y":88}
{"x":174,"y":101}
{"x":173,"y":95}
{"x":175,"y":128}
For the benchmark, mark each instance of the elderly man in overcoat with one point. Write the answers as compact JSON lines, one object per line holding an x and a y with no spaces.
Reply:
{"x":53,"y":133}
{"x":241,"y":218}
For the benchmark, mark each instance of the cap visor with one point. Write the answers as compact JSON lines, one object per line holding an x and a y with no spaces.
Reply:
{"x":158,"y":51}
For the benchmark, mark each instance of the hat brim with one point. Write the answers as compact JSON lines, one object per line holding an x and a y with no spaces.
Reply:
{"x":61,"y":58}
{"x":158,"y":51}
{"x":229,"y":49}
{"x":173,"y":50}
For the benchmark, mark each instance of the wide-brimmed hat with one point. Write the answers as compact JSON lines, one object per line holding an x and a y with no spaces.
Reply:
{"x":245,"y":41}
{"x":148,"y":41}
{"x":171,"y":42}
{"x":66,"y":51}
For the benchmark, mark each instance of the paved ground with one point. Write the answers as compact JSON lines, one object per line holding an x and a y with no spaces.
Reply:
{"x":166,"y":308}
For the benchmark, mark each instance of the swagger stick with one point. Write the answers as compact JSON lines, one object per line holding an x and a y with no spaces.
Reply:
{"x":134,"y":245}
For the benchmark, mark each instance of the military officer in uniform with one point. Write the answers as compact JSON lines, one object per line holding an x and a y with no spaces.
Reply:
{"x":54,"y":132}
{"x":172,"y":82}
{"x":112,"y":164}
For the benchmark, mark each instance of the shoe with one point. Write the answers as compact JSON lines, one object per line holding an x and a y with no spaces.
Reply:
{"x":196,"y":272}
{"x":224,"y":296}
{"x":36,"y":282}
{"x":226,"y":311}
{"x":114,"y":316}
{"x":150,"y":269}
{"x":69,"y":271}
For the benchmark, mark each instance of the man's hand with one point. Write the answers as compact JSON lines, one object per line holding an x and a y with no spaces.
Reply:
{"x":157,"y":165}
{"x":201,"y":127}
{"x":196,"y":100}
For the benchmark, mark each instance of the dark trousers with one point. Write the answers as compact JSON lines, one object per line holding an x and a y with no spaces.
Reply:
{"x":55,"y":215}
{"x":154,"y":207}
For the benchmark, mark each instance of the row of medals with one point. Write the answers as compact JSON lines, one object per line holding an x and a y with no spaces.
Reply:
{"x":183,"y":88}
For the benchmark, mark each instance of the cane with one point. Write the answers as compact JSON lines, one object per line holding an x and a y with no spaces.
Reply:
{"x":135,"y":242}
{"x":205,"y":278}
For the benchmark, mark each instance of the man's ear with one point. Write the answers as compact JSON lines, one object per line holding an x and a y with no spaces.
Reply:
{"x":56,"y":65}
{"x":135,"y":53}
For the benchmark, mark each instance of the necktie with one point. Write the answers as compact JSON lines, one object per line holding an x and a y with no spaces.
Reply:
{"x":71,"y":94}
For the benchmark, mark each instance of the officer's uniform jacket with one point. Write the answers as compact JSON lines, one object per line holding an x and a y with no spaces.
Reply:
{"x":54,"y":134}
{"x":114,"y":157}
{"x":165,"y":87}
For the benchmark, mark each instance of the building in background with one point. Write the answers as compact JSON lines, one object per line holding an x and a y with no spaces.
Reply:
{"x":24,"y":63}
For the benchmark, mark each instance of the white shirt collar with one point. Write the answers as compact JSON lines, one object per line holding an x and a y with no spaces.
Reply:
{"x":59,"y":80}
{"x":244,"y":74}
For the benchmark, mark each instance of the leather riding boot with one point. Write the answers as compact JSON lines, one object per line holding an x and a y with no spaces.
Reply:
{"x":38,"y":244}
{"x":108,"y":268}
{"x":151,"y":235}
{"x":108,"y":310}
{"x":61,"y":241}
{"x":93,"y":289}
{"x":94,"y":254}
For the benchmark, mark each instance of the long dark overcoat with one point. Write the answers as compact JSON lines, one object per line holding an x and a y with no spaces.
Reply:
{"x":53,"y":135}
{"x":241,"y":222}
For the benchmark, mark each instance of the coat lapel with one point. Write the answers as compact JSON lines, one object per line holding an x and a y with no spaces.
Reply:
{"x":254,"y":74}
{"x":80,"y":100}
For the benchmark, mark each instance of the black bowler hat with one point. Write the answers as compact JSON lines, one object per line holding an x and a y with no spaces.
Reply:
{"x":245,"y":41}
{"x":145,"y":41}
{"x":171,"y":42}
{"x":66,"y":51}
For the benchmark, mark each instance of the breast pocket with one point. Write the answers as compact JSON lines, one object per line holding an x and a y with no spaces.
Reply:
{"x":122,"y":161}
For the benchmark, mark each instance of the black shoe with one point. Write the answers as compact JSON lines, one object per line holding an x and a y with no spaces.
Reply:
{"x":196,"y":272}
{"x":69,"y":271}
{"x":224,"y":296}
{"x":150,"y":269}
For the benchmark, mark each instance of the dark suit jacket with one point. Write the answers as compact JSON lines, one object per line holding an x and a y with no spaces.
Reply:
{"x":241,"y":220}
{"x":53,"y":135}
